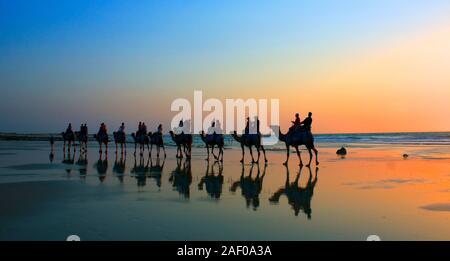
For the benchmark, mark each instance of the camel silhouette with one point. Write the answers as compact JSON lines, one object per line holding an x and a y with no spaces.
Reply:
{"x":120,"y":138}
{"x":82,"y":139}
{"x":212,"y":140}
{"x":69,"y":138}
{"x":296,"y":138}
{"x":102,"y":138}
{"x":142,"y":139}
{"x":182,"y":140}
{"x":299,"y":198}
{"x":250,"y":187}
{"x":250,"y":140}
{"x":157,"y":140}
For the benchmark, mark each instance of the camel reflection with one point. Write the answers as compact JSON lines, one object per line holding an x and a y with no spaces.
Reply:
{"x":181,"y":177}
{"x":82,"y":164}
{"x":140,"y":171}
{"x":102,"y":166}
{"x":299,"y":198}
{"x":250,"y":187}
{"x":213,"y":183}
{"x":119,"y":166}
{"x":68,"y":159}
{"x":156,"y":170}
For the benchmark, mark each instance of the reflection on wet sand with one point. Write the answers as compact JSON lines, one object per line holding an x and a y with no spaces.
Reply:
{"x":119,"y":166}
{"x":140,"y":171}
{"x":69,"y":160}
{"x":212,"y":182}
{"x":82,"y":163}
{"x":156,"y":170}
{"x":102,"y":166}
{"x":250,"y":187}
{"x":181,"y":177}
{"x":299,"y":198}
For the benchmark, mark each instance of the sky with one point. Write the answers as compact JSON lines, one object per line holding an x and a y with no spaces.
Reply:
{"x":359,"y":66}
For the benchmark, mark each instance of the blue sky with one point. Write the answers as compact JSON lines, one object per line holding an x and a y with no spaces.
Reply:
{"x":73,"y":60}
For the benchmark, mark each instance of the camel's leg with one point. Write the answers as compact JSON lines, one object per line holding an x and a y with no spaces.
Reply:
{"x":164,"y":149}
{"x":264,"y":153}
{"x":207,"y":152}
{"x":259,"y":153}
{"x":243,"y":153}
{"x":310,"y":157}
{"x":316,"y":152}
{"x":215,"y":157}
{"x":251,"y":154}
{"x":299,"y":156}
{"x":158,"y":149}
{"x":287,"y":155}
{"x":221,"y":153}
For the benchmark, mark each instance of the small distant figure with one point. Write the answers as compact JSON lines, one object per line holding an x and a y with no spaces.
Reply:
{"x":122,"y":128}
{"x":405,"y":156}
{"x":52,"y":141}
{"x":342,"y":151}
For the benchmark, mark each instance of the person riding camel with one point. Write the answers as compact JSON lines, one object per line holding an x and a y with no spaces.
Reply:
{"x":295,"y":124}
{"x":69,"y":129}
{"x":139,"y":130}
{"x":102,"y":130}
{"x":307,"y":122}
{"x":121,"y":130}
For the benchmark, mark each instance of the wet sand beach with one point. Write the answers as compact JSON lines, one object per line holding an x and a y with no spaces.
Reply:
{"x":372,"y":190}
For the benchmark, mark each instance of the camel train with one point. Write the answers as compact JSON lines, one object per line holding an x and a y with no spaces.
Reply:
{"x":299,"y":134}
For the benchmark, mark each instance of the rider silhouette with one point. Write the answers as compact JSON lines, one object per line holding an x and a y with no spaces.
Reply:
{"x":307,"y":122}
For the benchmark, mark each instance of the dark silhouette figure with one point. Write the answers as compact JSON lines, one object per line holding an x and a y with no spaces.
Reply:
{"x":212,"y":182}
{"x":120,"y":137}
{"x":182,"y":140}
{"x":68,"y":137}
{"x":102,"y":137}
{"x":51,"y":156}
{"x":296,"y":123}
{"x":156,"y":139}
{"x":299,"y":198}
{"x":212,"y":140}
{"x":82,"y":137}
{"x":300,"y":136}
{"x":250,"y":140}
{"x":181,"y":178}
{"x":250,"y":187}
{"x":307,"y":122}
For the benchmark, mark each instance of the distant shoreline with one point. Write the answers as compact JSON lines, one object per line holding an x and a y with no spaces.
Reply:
{"x":13,"y":136}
